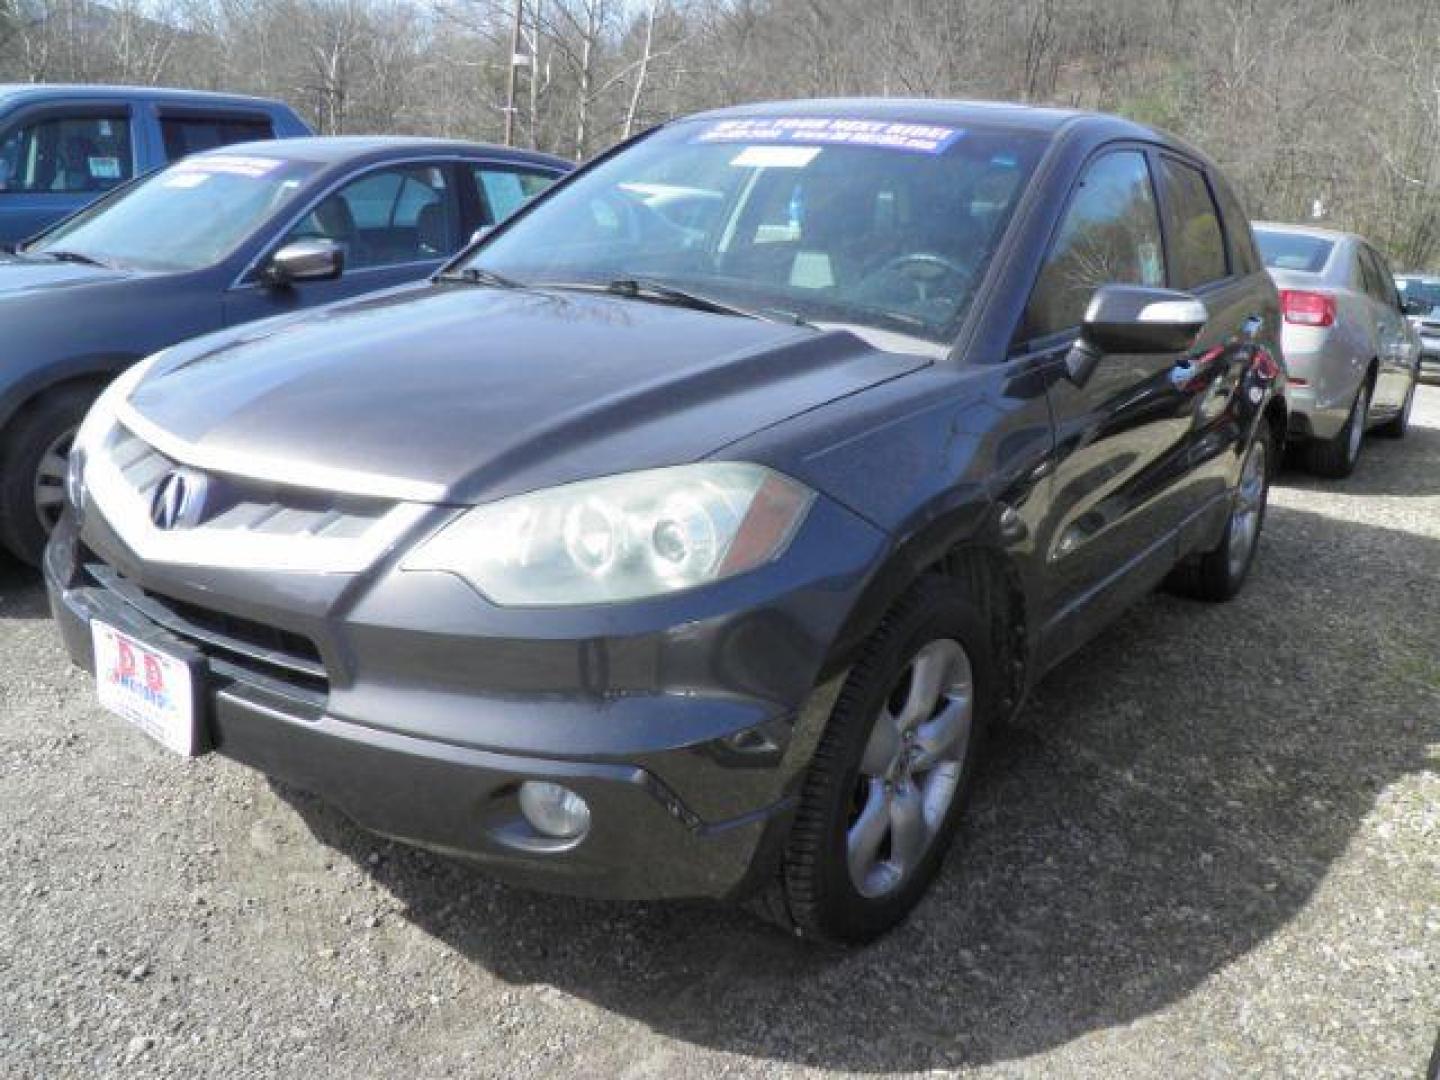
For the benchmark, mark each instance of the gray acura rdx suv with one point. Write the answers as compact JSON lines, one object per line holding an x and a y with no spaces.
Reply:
{"x":685,"y":544}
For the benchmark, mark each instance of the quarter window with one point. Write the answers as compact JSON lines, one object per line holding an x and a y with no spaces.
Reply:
{"x":1196,"y":241}
{"x":67,"y":155}
{"x":505,"y":190}
{"x":388,"y":218}
{"x":1110,"y":236}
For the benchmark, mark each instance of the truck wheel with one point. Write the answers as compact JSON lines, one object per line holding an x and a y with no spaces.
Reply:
{"x":32,"y":469}
{"x":890,"y":776}
{"x":1336,"y":458}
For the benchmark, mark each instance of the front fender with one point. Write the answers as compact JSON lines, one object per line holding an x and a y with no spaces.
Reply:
{"x":101,"y":367}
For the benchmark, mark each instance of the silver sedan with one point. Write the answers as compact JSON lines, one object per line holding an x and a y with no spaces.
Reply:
{"x":1350,"y":352}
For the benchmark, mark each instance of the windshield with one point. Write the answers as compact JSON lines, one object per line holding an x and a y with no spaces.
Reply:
{"x":859,"y":223}
{"x":1294,"y":251}
{"x":189,"y":216}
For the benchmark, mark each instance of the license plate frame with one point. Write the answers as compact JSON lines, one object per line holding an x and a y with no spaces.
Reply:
{"x":153,"y":688}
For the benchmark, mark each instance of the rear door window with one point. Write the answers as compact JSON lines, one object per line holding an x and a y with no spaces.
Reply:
{"x":506,"y":188}
{"x":1197,"y":245}
{"x":186,"y":134}
{"x":67,"y":154}
{"x":1110,"y":236}
{"x":1379,"y":283}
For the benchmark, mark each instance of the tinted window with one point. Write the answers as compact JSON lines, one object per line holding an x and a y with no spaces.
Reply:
{"x":505,"y":190}
{"x":1110,"y":236}
{"x":67,"y":154}
{"x":191,"y":215}
{"x":1294,"y":251}
{"x":1196,"y":244}
{"x":1243,"y":257}
{"x":389,"y":217}
{"x":186,"y":135}
{"x":839,"y":221}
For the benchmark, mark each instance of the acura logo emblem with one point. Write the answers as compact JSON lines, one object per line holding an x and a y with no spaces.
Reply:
{"x":178,"y":500}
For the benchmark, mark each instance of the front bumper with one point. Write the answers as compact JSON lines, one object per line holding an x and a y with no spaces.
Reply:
{"x":690,"y":779}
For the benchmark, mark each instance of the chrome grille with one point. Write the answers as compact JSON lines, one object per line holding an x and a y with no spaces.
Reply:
{"x":249,"y":505}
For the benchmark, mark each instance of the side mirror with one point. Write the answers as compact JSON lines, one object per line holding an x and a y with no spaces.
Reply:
{"x":305,"y":260}
{"x":1135,"y":319}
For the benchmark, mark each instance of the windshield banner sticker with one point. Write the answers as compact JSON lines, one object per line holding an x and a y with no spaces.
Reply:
{"x":831,"y":131}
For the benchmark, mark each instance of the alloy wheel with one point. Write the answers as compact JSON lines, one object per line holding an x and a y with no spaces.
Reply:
{"x":1359,"y":416}
{"x":911,"y":769}
{"x":1249,"y":506}
{"x":49,"y":485}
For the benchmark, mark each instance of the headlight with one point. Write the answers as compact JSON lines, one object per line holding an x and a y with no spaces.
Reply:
{"x":622,"y":537}
{"x":97,"y":425}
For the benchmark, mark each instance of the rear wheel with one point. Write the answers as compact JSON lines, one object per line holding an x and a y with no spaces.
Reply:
{"x":32,"y":469}
{"x":890,"y":776}
{"x":1336,"y":458}
{"x":1217,"y":575}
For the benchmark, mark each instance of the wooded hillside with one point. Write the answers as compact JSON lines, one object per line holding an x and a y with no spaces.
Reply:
{"x":1325,"y":109}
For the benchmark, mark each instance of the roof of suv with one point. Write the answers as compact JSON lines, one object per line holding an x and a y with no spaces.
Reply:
{"x":923,"y":110}
{"x":15,"y":92}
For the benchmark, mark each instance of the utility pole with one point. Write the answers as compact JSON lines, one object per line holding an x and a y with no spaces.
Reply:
{"x":510,"y":79}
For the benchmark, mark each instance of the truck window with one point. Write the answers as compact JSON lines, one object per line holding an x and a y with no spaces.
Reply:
{"x":186,"y":135}
{"x":67,"y":154}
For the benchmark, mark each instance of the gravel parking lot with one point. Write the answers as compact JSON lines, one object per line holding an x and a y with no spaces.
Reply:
{"x":1212,"y":848}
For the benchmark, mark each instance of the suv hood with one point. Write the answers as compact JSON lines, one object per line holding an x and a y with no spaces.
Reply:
{"x":477,"y":393}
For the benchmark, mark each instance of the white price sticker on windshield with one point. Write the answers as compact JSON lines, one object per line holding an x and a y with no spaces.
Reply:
{"x":775,"y":157}
{"x":231,"y":165}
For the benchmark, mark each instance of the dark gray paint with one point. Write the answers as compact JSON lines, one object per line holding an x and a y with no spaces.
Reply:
{"x":1075,"y":498}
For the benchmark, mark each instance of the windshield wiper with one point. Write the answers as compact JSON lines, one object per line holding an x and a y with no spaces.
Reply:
{"x":475,"y":275}
{"x":74,"y":257}
{"x":648,"y":289}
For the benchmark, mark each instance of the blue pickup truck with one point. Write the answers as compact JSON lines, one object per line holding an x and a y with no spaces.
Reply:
{"x":63,"y":146}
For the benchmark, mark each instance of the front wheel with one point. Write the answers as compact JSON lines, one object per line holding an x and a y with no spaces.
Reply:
{"x":1398,"y":425}
{"x":890,"y":775}
{"x":1336,"y":458}
{"x":32,"y":469}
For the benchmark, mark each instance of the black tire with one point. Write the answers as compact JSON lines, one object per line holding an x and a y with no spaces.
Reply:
{"x":1336,"y":458}
{"x":1398,"y":425}
{"x":815,"y":895}
{"x":1215,"y":576}
{"x":40,"y":424}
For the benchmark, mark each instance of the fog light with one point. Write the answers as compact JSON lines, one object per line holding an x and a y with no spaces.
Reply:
{"x":553,"y":810}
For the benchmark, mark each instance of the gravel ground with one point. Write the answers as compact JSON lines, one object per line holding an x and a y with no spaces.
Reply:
{"x":1212,"y":848}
